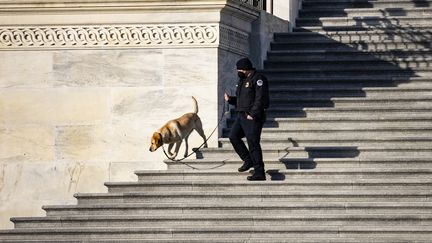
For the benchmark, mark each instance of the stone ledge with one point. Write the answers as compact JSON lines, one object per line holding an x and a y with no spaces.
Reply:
{"x":110,"y":5}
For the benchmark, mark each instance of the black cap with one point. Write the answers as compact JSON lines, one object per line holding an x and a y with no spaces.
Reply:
{"x":244,"y":64}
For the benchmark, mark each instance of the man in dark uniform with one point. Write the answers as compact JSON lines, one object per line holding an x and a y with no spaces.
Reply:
{"x":251,"y":100}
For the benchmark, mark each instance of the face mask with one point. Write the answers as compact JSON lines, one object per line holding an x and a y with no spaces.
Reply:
{"x":241,"y":75}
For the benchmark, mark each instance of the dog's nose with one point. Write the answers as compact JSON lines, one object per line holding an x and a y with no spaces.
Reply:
{"x":150,"y":149}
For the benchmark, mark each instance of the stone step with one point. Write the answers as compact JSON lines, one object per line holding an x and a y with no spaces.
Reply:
{"x":358,"y":4}
{"x":285,"y":185}
{"x":327,"y":65}
{"x":322,"y":53}
{"x":243,"y":208}
{"x":348,"y":56}
{"x":375,"y":163}
{"x":348,"y":91}
{"x":343,"y":123}
{"x":367,"y":12}
{"x":268,"y":142}
{"x":223,"y":154}
{"x":244,"y":232}
{"x":347,"y":102}
{"x":378,"y":22}
{"x":182,"y":220}
{"x":281,"y":95}
{"x":361,"y":112}
{"x":396,"y":73}
{"x":281,"y":174}
{"x":345,"y":81}
{"x":338,"y":239}
{"x":365,"y":36}
{"x":234,"y":197}
{"x":321,"y":29}
{"x":396,"y":132}
{"x":353,"y":45}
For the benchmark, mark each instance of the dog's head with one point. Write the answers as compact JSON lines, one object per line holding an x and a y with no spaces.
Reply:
{"x":156,"y":141}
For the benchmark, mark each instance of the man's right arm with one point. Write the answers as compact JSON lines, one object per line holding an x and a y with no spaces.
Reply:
{"x":232,"y":100}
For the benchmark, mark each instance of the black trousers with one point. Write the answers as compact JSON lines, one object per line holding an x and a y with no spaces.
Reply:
{"x":251,"y":129}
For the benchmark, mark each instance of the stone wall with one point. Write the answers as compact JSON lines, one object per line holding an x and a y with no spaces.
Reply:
{"x":84,"y":84}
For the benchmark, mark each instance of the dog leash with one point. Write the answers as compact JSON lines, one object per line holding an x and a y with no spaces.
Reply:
{"x":225,"y":111}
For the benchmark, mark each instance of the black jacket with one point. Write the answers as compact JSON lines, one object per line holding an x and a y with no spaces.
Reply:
{"x":252,"y":96}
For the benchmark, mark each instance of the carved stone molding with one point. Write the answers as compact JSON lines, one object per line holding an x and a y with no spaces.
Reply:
{"x":234,"y":40}
{"x":108,"y":36}
{"x":148,"y":36}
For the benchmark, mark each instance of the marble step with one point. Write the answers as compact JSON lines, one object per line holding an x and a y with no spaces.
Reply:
{"x":359,"y":4}
{"x":183,"y":220}
{"x":348,"y":102}
{"x":348,"y":28}
{"x":286,"y":174}
{"x":345,"y":81}
{"x":334,"y":65}
{"x":348,"y":122}
{"x":391,"y":72}
{"x":356,"y":30}
{"x":353,"y":45}
{"x":347,"y":91}
{"x":367,"y":35}
{"x":277,"y":164}
{"x":244,"y":232}
{"x":241,"y":208}
{"x":392,"y":133}
{"x":348,"y":56}
{"x":378,"y":22}
{"x":367,"y":12}
{"x":268,"y":142}
{"x":338,"y":239}
{"x":281,"y":154}
{"x":285,"y":185}
{"x":347,"y":112}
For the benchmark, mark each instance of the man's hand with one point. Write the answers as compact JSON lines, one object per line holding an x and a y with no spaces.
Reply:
{"x":249,"y":117}
{"x":226,"y":97}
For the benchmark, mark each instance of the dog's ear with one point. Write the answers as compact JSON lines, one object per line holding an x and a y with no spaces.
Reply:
{"x":157,"y":138}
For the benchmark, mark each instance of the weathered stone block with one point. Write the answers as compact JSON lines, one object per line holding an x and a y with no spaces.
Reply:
{"x":26,"y":143}
{"x":60,"y":106}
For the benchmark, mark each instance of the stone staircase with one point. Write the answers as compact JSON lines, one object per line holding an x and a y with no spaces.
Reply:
{"x":347,"y":147}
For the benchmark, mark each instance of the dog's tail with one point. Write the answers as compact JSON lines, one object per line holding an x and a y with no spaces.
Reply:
{"x":194,"y":105}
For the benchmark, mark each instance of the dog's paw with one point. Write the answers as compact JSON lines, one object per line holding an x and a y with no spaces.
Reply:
{"x":173,"y":156}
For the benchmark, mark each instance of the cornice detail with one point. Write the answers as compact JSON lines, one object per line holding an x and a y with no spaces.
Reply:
{"x":145,"y":36}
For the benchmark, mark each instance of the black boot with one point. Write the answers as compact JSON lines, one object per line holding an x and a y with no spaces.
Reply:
{"x":245,"y":167}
